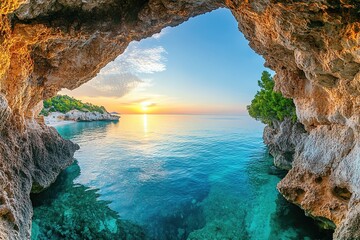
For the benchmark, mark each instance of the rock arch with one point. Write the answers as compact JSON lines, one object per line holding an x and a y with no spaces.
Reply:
{"x":312,"y":45}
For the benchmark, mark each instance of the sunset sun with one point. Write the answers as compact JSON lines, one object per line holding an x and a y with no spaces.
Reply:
{"x":179,"y":119}
{"x":145,"y":106}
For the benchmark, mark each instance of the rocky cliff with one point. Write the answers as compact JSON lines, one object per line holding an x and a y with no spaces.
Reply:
{"x":312,"y":45}
{"x":283,"y":140}
{"x":76,"y":115}
{"x":79,"y":116}
{"x":30,"y":161}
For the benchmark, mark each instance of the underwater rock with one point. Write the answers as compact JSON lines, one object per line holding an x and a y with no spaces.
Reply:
{"x":75,"y":212}
{"x":222,"y":218}
{"x":286,"y":221}
{"x":176,"y":225}
{"x":277,"y":171}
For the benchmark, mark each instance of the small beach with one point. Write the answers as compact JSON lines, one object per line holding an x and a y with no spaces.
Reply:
{"x":55,"y":119}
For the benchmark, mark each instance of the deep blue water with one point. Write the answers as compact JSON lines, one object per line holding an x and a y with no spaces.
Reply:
{"x":168,"y":177}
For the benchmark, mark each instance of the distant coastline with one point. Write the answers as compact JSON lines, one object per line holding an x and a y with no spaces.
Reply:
{"x":62,"y":110}
{"x":58,"y":118}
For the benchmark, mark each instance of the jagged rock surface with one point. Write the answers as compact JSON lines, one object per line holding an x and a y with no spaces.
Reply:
{"x":75,"y":115}
{"x":79,"y":116}
{"x":312,"y":45}
{"x":29,"y":161}
{"x":282,"y":139}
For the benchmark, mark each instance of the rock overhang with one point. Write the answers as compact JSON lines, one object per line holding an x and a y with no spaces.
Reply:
{"x":313,"y":46}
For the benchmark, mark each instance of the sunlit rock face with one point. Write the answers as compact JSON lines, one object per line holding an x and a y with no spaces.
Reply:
{"x":314,"y":48}
{"x":29,"y":161}
{"x":312,"y":45}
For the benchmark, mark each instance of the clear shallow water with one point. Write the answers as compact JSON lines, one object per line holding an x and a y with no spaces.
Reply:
{"x":168,"y":177}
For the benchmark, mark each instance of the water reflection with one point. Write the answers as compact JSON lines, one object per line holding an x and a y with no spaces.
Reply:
{"x":145,"y":123}
{"x":179,"y":177}
{"x":98,"y":128}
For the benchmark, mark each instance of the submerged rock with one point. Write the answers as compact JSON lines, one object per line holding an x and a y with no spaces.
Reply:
{"x":277,"y":171}
{"x":286,"y":221}
{"x":224,"y":218}
{"x":73,"y":211}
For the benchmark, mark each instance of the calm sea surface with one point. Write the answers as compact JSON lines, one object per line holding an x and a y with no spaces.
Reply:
{"x":168,"y":177}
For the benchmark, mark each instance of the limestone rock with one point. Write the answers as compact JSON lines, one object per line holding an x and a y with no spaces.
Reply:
{"x":76,"y":115}
{"x":282,"y":138}
{"x":79,"y":116}
{"x":29,"y":161}
{"x":312,"y":45}
{"x":324,"y":180}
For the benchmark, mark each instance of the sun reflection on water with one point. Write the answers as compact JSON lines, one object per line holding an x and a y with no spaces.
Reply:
{"x":145,"y":123}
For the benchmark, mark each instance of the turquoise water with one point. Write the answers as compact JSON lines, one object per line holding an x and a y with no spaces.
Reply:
{"x":169,"y":177}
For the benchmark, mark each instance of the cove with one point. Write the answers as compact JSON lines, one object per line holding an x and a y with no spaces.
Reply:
{"x":169,"y":177}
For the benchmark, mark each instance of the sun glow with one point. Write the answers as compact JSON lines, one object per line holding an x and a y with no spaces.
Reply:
{"x":145,"y":106}
{"x":145,"y":123}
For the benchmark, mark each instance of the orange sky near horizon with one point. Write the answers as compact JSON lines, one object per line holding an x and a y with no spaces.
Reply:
{"x":188,"y":69}
{"x":151,"y":107}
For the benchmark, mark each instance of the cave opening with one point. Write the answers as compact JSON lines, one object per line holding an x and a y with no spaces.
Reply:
{"x":159,"y":182}
{"x":312,"y":45}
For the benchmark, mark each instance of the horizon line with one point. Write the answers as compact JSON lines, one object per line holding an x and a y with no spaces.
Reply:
{"x":226,"y":114}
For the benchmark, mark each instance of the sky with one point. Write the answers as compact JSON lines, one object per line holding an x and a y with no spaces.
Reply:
{"x":203,"y":66}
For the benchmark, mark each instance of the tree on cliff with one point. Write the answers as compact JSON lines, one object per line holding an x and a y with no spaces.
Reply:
{"x":268,"y":105}
{"x":64,"y":104}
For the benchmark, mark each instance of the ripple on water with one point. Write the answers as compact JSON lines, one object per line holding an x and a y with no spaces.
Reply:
{"x":195,"y":177}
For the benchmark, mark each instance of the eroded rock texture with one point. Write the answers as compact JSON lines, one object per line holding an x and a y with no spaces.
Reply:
{"x":29,"y":160}
{"x":283,"y":139}
{"x":314,"y":48}
{"x":312,"y":45}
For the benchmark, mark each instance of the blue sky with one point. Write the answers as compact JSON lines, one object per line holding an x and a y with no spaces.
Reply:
{"x":201,"y":66}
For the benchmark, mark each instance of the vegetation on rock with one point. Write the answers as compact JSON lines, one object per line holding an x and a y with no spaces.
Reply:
{"x":64,"y":104}
{"x":268,"y":105}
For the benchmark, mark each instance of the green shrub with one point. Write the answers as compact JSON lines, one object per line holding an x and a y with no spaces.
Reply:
{"x":64,"y":104}
{"x":268,"y":106}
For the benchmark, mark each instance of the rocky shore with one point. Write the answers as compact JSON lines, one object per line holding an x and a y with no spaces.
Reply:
{"x":313,"y":46}
{"x":282,"y":139}
{"x":30,"y":161}
{"x":58,"y":118}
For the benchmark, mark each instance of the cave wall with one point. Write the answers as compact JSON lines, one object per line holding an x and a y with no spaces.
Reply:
{"x":312,"y":45}
{"x":314,"y":48}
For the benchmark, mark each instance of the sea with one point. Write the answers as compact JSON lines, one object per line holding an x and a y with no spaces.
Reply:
{"x":204,"y":177}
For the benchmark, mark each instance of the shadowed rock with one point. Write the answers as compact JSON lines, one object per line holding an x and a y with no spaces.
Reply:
{"x":282,"y":139}
{"x":312,"y":45}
